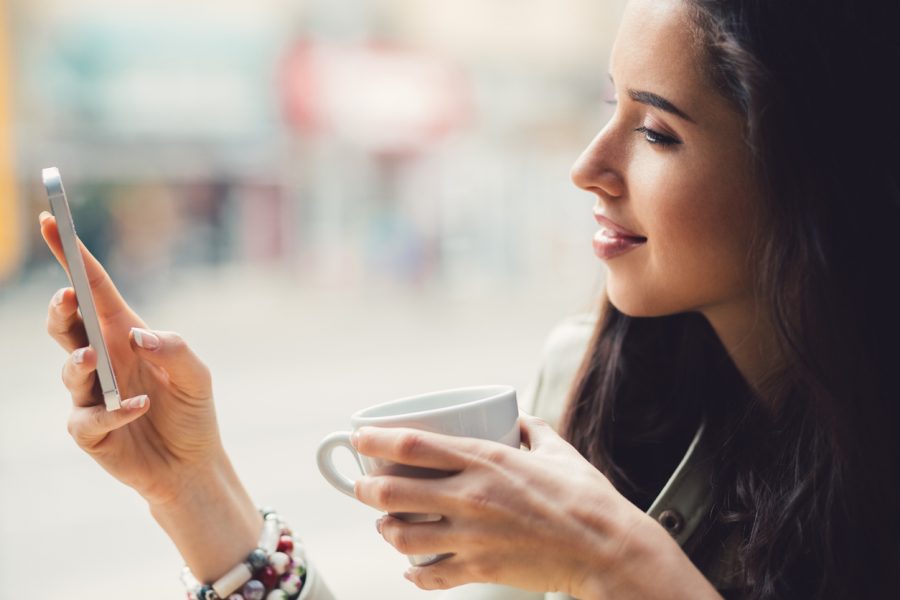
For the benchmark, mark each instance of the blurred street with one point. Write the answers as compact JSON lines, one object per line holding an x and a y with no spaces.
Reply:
{"x":290,"y":365}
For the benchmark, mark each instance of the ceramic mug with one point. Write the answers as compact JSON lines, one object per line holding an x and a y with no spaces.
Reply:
{"x":485,"y":412}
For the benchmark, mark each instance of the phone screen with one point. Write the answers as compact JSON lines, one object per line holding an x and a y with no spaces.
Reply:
{"x":77,"y":274}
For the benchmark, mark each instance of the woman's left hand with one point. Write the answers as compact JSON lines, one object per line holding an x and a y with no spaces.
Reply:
{"x":543,"y":519}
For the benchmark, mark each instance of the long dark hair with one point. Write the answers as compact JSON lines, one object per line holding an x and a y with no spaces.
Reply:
{"x":808,"y":469}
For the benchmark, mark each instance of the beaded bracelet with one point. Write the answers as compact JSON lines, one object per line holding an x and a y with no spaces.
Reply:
{"x":274,"y":570}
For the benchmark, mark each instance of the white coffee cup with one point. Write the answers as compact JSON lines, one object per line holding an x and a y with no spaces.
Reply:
{"x":485,"y":412}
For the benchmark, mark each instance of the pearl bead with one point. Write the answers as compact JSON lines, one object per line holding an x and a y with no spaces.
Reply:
{"x":291,"y":584}
{"x":236,"y":597}
{"x":280,"y":561}
{"x":277,"y":595}
{"x":254,"y":590}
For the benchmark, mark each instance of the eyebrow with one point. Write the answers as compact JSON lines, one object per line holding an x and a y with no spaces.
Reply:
{"x":656,"y":101}
{"x":659,"y":102}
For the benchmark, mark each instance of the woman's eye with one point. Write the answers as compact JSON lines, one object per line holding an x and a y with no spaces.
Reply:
{"x":655,"y":137}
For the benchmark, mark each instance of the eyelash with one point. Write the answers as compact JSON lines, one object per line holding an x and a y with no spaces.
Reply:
{"x":653,"y":137}
{"x":657,"y":138}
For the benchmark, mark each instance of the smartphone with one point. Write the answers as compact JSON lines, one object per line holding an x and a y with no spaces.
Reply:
{"x":66,"y":226}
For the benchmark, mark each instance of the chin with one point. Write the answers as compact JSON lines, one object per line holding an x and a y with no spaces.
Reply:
{"x":633,"y":301}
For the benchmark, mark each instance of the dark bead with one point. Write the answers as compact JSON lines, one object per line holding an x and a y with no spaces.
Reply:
{"x":257,"y":559}
{"x":268,"y":576}
{"x":207,"y":593}
{"x":286,"y":544}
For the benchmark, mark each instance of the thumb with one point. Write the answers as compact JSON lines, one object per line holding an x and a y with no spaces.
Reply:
{"x":169,"y":351}
{"x":89,"y":425}
{"x":535,"y":432}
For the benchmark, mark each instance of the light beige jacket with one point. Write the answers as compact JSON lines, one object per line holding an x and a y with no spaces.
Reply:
{"x":680,"y":506}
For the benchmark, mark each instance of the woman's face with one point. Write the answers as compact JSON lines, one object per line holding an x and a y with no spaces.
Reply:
{"x":675,"y":195}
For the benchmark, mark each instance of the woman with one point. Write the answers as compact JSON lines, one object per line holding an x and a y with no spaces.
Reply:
{"x":746,"y":188}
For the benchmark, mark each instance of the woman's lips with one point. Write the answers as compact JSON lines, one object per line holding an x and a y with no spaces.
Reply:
{"x":614,"y":240}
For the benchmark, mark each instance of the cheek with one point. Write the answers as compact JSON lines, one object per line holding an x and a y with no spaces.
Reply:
{"x":698,"y":228}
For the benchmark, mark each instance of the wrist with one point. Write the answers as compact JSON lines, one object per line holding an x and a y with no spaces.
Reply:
{"x":644,"y":562}
{"x":211,"y":519}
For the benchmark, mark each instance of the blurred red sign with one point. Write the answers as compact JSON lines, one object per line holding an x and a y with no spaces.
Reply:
{"x":384,"y":99}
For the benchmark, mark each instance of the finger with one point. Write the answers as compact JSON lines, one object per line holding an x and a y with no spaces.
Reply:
{"x":170,"y":352}
{"x":418,"y":448}
{"x":107,"y":299}
{"x":79,"y":374}
{"x":535,"y":431}
{"x":444,"y":574}
{"x":433,"y":537}
{"x":63,"y":322}
{"x":89,"y":425}
{"x":389,"y":493}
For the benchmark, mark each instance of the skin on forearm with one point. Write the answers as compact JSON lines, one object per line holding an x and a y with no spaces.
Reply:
{"x":213,"y":522}
{"x":648,"y":564}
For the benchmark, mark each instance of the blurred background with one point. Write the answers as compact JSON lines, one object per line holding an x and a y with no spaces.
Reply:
{"x":336,"y":202}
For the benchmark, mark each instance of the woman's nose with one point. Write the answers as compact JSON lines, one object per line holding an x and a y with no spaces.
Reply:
{"x":595,"y":171}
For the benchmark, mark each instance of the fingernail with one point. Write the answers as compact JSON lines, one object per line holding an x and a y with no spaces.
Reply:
{"x":135,"y":403}
{"x":43,"y":216}
{"x":354,"y":438}
{"x":379,"y":523}
{"x":78,"y":356}
{"x":58,"y":296}
{"x":145,"y":339}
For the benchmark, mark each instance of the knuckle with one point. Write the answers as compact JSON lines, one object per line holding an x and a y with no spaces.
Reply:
{"x":409,"y":445}
{"x":427,"y":580}
{"x":478,"y":500}
{"x":493,"y":456}
{"x":76,"y":428}
{"x":96,"y":421}
{"x":204,"y":373}
{"x":399,"y":538}
{"x":496,"y":455}
{"x":384,"y":494}
{"x":537,"y":421}
{"x":175,"y":341}
{"x":72,"y":427}
{"x":484,"y":571}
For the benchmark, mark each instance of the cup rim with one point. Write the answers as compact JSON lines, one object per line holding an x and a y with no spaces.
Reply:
{"x":493,"y":392}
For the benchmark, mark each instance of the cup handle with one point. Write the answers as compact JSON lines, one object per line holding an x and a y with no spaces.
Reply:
{"x":326,"y":464}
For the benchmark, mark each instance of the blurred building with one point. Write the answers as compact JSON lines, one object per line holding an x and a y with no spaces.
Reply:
{"x":406,"y":140}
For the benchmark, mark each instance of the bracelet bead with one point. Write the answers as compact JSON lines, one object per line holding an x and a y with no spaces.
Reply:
{"x":268,"y":541}
{"x":274,"y":570}
{"x":254,"y":590}
{"x":285,"y":544}
{"x":207,"y":593}
{"x":267,"y":576}
{"x":291,"y":584}
{"x":232,"y":580}
{"x":257,"y":559}
{"x":280,"y":562}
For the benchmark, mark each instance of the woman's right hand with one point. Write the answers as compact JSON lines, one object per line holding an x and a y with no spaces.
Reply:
{"x":156,"y":451}
{"x":164,"y":442}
